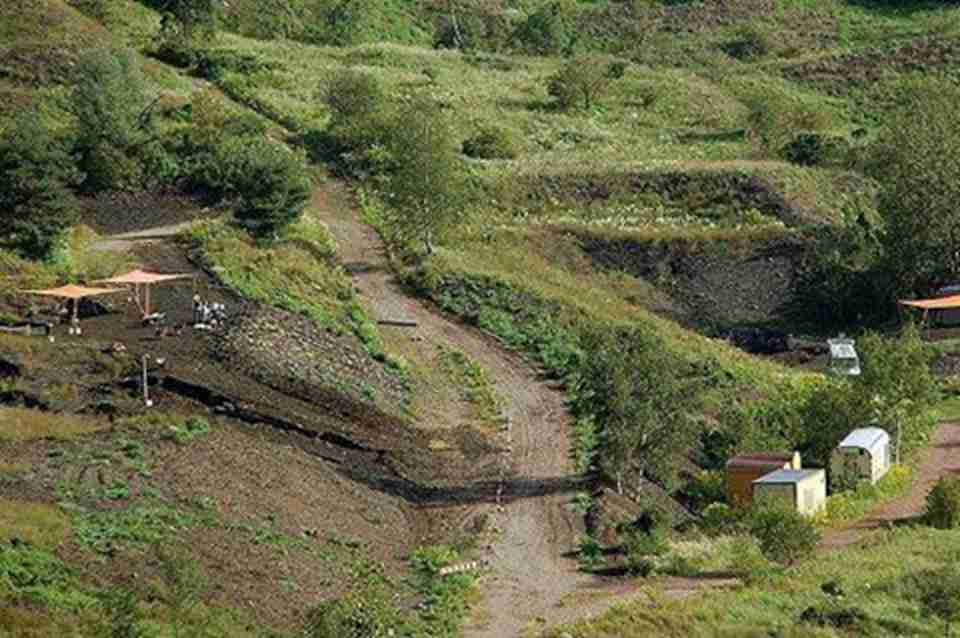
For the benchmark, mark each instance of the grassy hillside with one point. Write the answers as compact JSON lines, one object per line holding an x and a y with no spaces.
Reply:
{"x":682,"y":203}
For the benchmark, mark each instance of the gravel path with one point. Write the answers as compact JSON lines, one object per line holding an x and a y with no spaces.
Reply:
{"x":530,"y":575}
{"x":941,"y":458}
{"x":127,"y":241}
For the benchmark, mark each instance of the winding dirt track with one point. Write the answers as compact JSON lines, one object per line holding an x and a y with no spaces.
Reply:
{"x":530,"y":575}
{"x":940,"y":459}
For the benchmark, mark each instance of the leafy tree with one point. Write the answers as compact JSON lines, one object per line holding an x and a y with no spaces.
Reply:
{"x":355,"y":141}
{"x":917,"y":161}
{"x":943,"y":503}
{"x":785,"y":535}
{"x":269,"y":182}
{"x":582,"y":80}
{"x":113,"y":118}
{"x":551,"y":29}
{"x":426,"y":190}
{"x":641,"y":401}
{"x":898,"y":384}
{"x":350,"y":22}
{"x":36,"y":173}
{"x":186,"y":22}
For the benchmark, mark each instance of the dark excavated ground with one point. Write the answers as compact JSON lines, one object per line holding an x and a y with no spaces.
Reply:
{"x":267,"y":365}
{"x":714,"y":287}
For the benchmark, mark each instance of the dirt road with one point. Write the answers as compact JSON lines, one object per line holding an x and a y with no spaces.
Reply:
{"x":530,"y":576}
{"x":943,"y":457}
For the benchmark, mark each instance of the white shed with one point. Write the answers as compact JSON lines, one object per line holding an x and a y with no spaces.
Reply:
{"x":863,"y":456}
{"x":802,"y":490}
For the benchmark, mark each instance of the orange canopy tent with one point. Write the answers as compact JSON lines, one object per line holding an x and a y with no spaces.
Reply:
{"x":76,"y":293}
{"x":934,"y":304}
{"x":137,"y":278}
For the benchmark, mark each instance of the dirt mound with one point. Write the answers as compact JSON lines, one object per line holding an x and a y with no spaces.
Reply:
{"x":715,"y":286}
{"x":277,"y":344}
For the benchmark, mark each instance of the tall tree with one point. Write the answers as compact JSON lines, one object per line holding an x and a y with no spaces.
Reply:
{"x":917,"y":162}
{"x":426,"y":192}
{"x":641,"y":401}
{"x":36,"y":173}
{"x":113,"y":111}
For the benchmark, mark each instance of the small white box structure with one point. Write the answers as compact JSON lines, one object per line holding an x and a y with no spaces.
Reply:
{"x":803,"y":490}
{"x":843,"y":357}
{"x":864,"y":455}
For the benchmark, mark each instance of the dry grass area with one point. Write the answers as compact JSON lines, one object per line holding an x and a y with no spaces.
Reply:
{"x":38,"y":524}
{"x":20,"y":424}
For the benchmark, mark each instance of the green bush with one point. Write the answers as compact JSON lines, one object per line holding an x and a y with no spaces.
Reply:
{"x":110,"y":103}
{"x":718,"y":519}
{"x":271,"y":184}
{"x":36,"y":173}
{"x":367,"y":613}
{"x":943,"y":503}
{"x":938,"y":591}
{"x":705,"y":488}
{"x":642,"y":547}
{"x":356,"y":141}
{"x":491,"y":142}
{"x":551,"y":29}
{"x":748,"y":43}
{"x":785,"y":535}
{"x":815,"y":149}
{"x":582,"y":81}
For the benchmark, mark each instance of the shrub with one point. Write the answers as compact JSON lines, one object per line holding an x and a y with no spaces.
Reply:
{"x":642,"y":547}
{"x":589,"y":553}
{"x":459,"y":31}
{"x":356,"y":140}
{"x":36,"y":171}
{"x":549,"y":30}
{"x":271,"y":184}
{"x":367,"y":613}
{"x":349,"y":22}
{"x":749,"y":43}
{"x":815,"y":149}
{"x":943,"y":503}
{"x":583,"y":80}
{"x":938,"y":591}
{"x":705,"y":488}
{"x":785,"y":536}
{"x":353,"y":95}
{"x":776,"y":116}
{"x":719,"y":518}
{"x":491,"y":142}
{"x":113,"y":118}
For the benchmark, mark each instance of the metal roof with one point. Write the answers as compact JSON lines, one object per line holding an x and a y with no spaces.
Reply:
{"x":787,"y":476}
{"x":842,"y":350}
{"x":763,"y":459}
{"x":865,"y":438}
